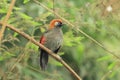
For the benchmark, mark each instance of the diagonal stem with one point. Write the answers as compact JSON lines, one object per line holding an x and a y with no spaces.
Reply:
{"x":6,"y":19}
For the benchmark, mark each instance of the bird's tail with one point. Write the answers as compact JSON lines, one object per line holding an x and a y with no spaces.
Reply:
{"x":43,"y":59}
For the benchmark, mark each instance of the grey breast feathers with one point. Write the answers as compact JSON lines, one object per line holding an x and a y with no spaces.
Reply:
{"x":54,"y":39}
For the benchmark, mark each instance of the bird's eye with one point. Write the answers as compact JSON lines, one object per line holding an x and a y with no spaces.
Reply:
{"x":59,"y":24}
{"x":56,"y":23}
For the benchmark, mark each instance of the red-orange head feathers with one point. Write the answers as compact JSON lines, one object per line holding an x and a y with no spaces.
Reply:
{"x":55,"y":23}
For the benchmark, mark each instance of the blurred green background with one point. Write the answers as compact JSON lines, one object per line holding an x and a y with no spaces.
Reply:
{"x":100,"y":19}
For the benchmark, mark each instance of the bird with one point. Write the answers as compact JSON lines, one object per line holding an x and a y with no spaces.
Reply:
{"x":52,"y":39}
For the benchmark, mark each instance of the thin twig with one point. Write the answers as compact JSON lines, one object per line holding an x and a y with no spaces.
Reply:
{"x":6,"y":19}
{"x":55,"y":56}
{"x":17,"y":61}
{"x":73,"y":27}
{"x":106,"y":75}
{"x":53,"y":7}
{"x":20,"y":57}
{"x":43,"y":72}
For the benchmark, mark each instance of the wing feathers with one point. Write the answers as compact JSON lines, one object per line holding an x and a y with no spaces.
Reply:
{"x":42,"y":40}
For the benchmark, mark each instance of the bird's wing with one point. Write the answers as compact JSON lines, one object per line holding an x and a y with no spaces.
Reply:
{"x":57,"y":49}
{"x":42,"y":40}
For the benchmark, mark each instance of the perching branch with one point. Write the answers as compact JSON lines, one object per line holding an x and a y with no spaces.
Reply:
{"x":6,"y":19}
{"x":74,"y":27}
{"x":55,"y":56}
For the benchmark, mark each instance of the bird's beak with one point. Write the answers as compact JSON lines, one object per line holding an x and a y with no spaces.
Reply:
{"x":62,"y":24}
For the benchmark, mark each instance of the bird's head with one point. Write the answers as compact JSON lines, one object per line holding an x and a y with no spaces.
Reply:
{"x":55,"y":23}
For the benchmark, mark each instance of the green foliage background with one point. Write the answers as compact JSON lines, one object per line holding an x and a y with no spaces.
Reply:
{"x":20,"y":58}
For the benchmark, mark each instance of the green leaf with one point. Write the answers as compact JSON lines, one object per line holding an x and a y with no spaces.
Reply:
{"x":42,"y":29}
{"x":111,"y":65}
{"x":71,"y":40}
{"x":15,"y":34}
{"x":56,"y":63}
{"x":26,"y":1}
{"x":2,"y":11}
{"x":1,"y":58}
{"x":104,"y":58}
{"x":32,"y":46}
{"x":23,"y":15}
{"x":61,"y":53}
